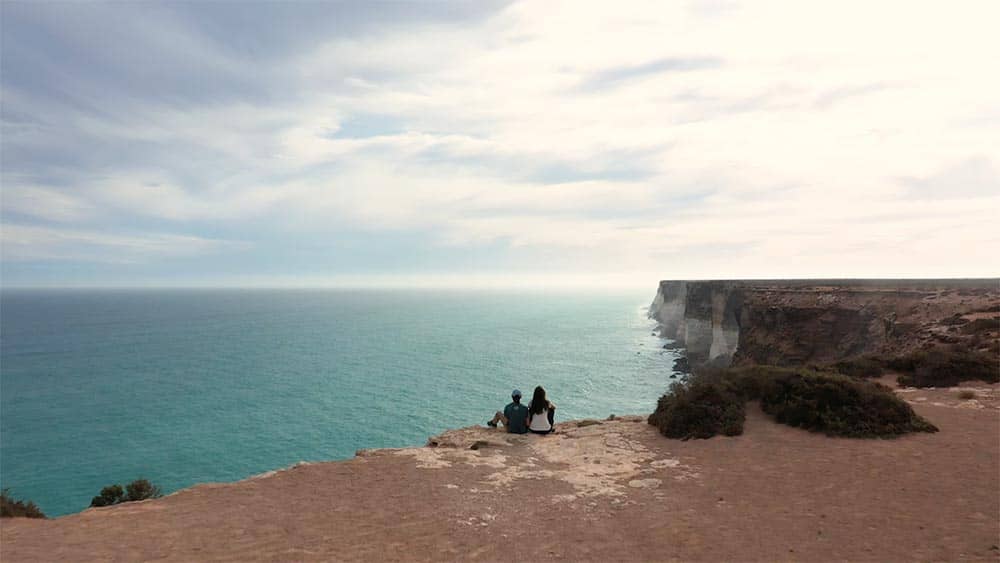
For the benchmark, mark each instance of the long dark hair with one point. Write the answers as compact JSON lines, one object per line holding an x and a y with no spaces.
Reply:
{"x":538,"y":401}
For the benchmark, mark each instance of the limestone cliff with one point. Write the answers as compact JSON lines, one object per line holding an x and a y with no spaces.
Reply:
{"x":794,"y":322}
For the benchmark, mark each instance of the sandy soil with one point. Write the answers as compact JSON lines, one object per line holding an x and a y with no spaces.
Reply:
{"x":609,"y":491}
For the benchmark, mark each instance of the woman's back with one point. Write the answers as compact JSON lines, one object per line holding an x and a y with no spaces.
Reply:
{"x":541,"y":412}
{"x":540,"y":422}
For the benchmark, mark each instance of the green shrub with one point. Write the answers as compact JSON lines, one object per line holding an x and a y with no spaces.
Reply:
{"x":112,"y":494}
{"x":945,"y":367}
{"x":713,"y":402}
{"x":837,"y":405}
{"x":140,"y":489}
{"x":699,"y":408}
{"x":10,"y":507}
{"x":861,"y":366}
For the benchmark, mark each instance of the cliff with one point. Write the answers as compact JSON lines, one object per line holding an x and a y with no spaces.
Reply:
{"x":795,"y":322}
{"x":607,"y":490}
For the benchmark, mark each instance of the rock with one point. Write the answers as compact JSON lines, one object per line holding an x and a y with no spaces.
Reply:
{"x":682,"y":365}
{"x":588,"y":422}
{"x":644,"y":483}
{"x":479,"y":444}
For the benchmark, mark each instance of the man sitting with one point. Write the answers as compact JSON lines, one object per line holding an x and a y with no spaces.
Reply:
{"x":514,"y":416}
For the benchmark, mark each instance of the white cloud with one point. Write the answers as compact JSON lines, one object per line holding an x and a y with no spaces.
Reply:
{"x":29,"y":243}
{"x":792,"y":138}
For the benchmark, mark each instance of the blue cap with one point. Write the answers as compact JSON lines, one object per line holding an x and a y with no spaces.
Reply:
{"x":515,"y":393}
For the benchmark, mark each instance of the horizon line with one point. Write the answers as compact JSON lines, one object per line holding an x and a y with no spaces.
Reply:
{"x":499,"y":283}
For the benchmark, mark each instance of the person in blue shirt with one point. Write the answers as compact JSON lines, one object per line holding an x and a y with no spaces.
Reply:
{"x":514,"y":416}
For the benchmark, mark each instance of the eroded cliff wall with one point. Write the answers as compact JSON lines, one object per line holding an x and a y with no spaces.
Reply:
{"x":795,"y":322}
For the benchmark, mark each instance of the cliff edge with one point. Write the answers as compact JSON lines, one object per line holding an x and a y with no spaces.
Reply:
{"x":798,"y":322}
{"x":595,"y":491}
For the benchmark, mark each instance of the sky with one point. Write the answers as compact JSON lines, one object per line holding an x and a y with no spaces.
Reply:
{"x":488,"y":143}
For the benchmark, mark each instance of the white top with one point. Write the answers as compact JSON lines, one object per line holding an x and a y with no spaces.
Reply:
{"x":540,"y":422}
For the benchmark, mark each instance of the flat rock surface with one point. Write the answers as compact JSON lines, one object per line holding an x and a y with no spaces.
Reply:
{"x":610,"y":491}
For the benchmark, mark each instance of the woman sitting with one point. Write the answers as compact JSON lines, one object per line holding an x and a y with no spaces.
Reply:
{"x":541,"y":413}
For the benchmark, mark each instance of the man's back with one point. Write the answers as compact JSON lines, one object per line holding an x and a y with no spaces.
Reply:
{"x":517,"y":418}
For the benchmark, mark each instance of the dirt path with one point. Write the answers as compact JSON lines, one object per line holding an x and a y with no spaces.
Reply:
{"x":609,"y":491}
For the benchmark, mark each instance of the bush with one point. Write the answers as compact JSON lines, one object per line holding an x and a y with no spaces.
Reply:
{"x":112,"y":494}
{"x":945,"y":367}
{"x":982,"y":325}
{"x":967,"y":395}
{"x":714,"y":402}
{"x":699,"y":408}
{"x":10,"y":507}
{"x":140,"y":489}
{"x":954,"y":320}
{"x":838,"y":405}
{"x":861,"y":366}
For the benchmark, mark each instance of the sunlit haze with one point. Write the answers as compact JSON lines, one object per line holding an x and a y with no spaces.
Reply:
{"x":497,"y":144}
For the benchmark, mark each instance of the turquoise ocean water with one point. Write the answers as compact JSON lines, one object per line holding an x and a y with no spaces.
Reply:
{"x":190,"y":386}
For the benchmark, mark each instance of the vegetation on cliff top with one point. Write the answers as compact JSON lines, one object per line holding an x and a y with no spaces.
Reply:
{"x":713,"y":402}
{"x":700,"y":408}
{"x":140,"y":489}
{"x":10,"y":507}
{"x":940,"y":366}
{"x":945,"y":367}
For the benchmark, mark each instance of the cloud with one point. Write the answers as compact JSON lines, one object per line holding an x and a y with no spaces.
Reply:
{"x":972,"y":178}
{"x":614,"y":77}
{"x":840,"y":94}
{"x":45,"y":203}
{"x":33,"y":243}
{"x":459,"y":138}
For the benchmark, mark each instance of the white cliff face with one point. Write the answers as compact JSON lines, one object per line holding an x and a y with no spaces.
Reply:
{"x":668,"y":308}
{"x":723,"y":345}
{"x":703,"y":316}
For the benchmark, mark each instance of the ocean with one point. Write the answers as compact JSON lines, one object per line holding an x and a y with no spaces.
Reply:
{"x":191,"y":386}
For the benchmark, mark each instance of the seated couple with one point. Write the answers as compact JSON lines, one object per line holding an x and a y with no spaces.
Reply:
{"x":538,"y":417}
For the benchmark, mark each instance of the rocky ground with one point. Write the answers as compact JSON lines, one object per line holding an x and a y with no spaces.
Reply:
{"x":596,"y":490}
